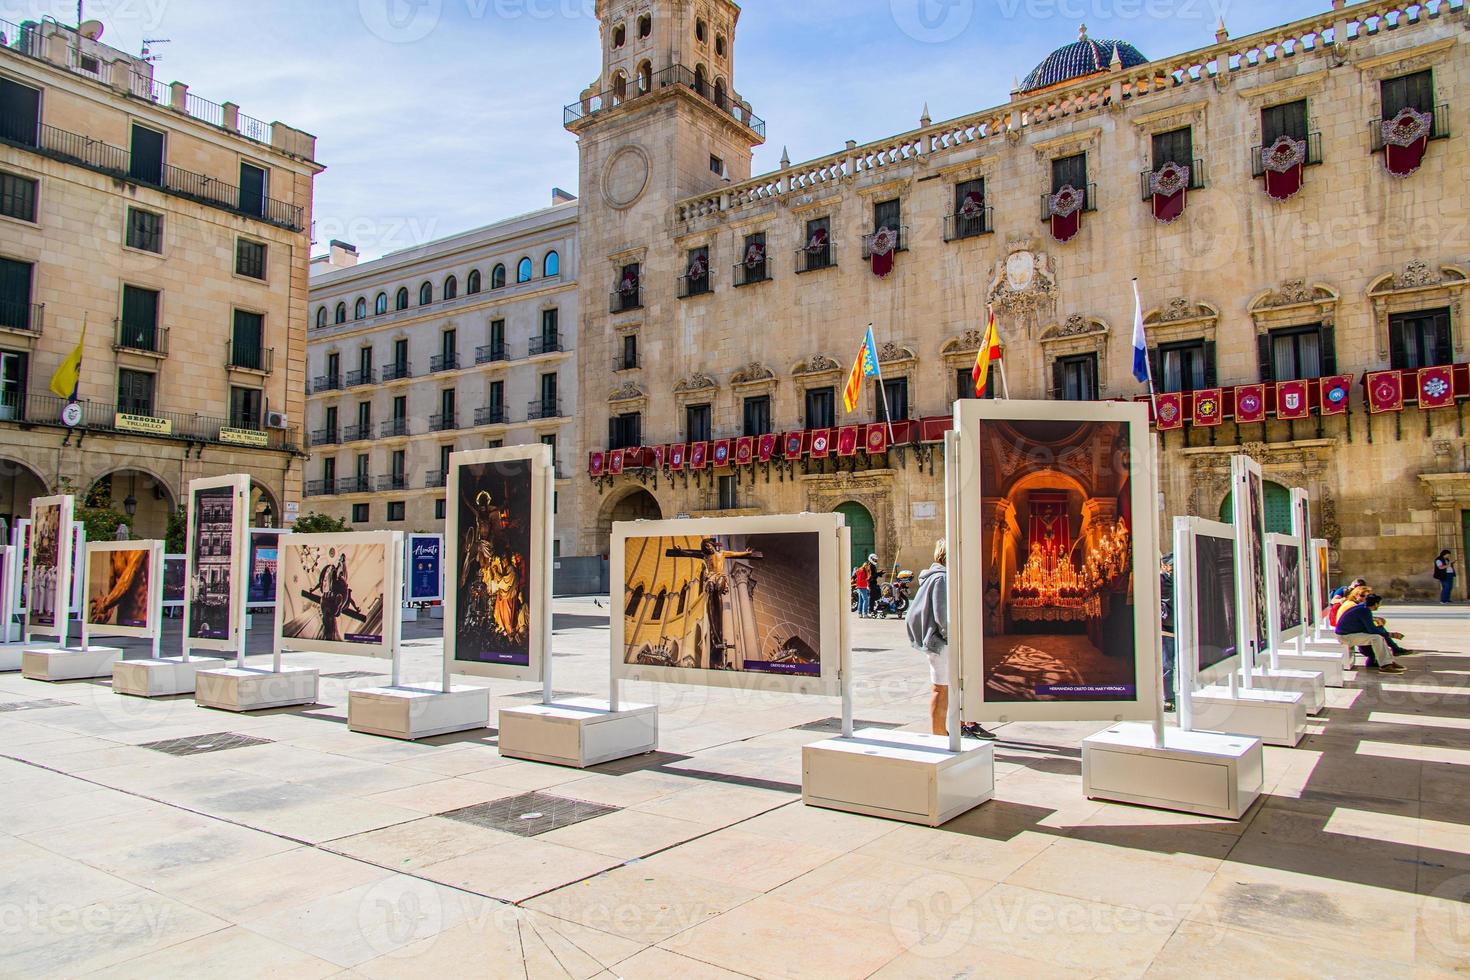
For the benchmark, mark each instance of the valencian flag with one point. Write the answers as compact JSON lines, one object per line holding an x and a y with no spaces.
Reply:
{"x":1436,"y":387}
{"x":1385,"y":392}
{"x":988,"y":354}
{"x":1335,"y":393}
{"x":68,"y":374}
{"x":866,"y":366}
{"x":1207,"y":406}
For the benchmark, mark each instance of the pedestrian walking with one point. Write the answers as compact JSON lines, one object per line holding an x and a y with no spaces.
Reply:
{"x":1444,"y":573}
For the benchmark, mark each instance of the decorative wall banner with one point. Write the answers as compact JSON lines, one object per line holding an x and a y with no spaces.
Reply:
{"x":1405,"y":137}
{"x":877,"y":442}
{"x":424,"y":577}
{"x":660,"y":453}
{"x":1250,"y":403}
{"x":214,"y":607}
{"x":847,"y":437}
{"x":1385,"y":391}
{"x":698,"y":455}
{"x":881,"y":251}
{"x":744,"y":450}
{"x":821,"y":443}
{"x":49,"y":566}
{"x":1291,"y":400}
{"x":615,"y":463}
{"x":1169,"y":187}
{"x":1283,"y":162}
{"x":792,"y":447}
{"x":766,"y":448}
{"x":749,"y":602}
{"x":1208,"y":406}
{"x":1436,"y":387}
{"x":124,"y":588}
{"x":1057,"y":601}
{"x":720,"y":454}
{"x":339,"y":593}
{"x":1064,"y":209}
{"x":596,"y":460}
{"x":1335,"y":390}
{"x":677,"y":453}
{"x":1170,"y":410}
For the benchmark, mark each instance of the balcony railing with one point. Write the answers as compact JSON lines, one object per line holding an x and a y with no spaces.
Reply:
{"x":490,"y":354}
{"x":958,"y":226}
{"x":45,"y":409}
{"x":22,"y":317}
{"x":749,"y":275}
{"x":544,"y":408}
{"x":357,"y":433}
{"x":901,"y":244}
{"x":625,"y":363}
{"x":326,"y":382}
{"x":1314,"y":155}
{"x":621,"y":302}
{"x":394,"y":428}
{"x":394,"y":481}
{"x":811,"y":258}
{"x":366,"y":376}
{"x":677,"y":75}
{"x":250,"y":357}
{"x":1439,"y":126}
{"x":694,"y":286}
{"x":548,"y":343}
{"x":355,"y":484}
{"x":1089,"y":201}
{"x":436,"y":480}
{"x":117,"y":162}
{"x":1197,"y":175}
{"x":444,"y":362}
{"x":146,"y":338}
{"x":397,"y":372}
{"x":444,"y":422}
{"x":491,"y":415}
{"x":324,"y":437}
{"x":321,"y":488}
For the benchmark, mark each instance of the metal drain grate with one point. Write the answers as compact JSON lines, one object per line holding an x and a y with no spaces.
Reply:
{"x":34,"y":705}
{"x":199,"y":744}
{"x":555,"y":695}
{"x":352,"y":675}
{"x":529,"y":814}
{"x":835,"y":725}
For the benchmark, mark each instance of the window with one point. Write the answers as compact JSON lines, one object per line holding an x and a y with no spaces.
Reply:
{"x":365,"y":418}
{"x":497,"y":277}
{"x":1415,"y":91}
{"x":619,"y":36}
{"x":629,"y":288}
{"x":1288,"y":119}
{"x":696,"y":272}
{"x":145,"y":230}
{"x":550,"y":329}
{"x":330,"y":425}
{"x":446,"y":407}
{"x":1419,"y":339}
{"x":321,"y":316}
{"x":620,"y":87}
{"x":360,"y":513}
{"x":523,"y":270}
{"x":341,"y":314}
{"x":720,"y":45}
{"x":400,"y":357}
{"x":964,"y":383}
{"x":821,"y":411}
{"x":334,"y":368}
{"x":701,"y":31}
{"x":449,"y":346}
{"x":549,"y":407}
{"x":696,"y":423}
{"x":253,"y":186}
{"x":893,"y":402}
{"x":397,"y":467}
{"x":757,"y":419}
{"x":359,"y":309}
{"x":245,"y":407}
{"x":1186,"y":366}
{"x":439,"y":509}
{"x":550,"y":441}
{"x":701,"y":81}
{"x":380,"y":304}
{"x":13,"y":371}
{"x":135,"y":392}
{"x":551,"y":265}
{"x":20,"y":112}
{"x":362,"y":471}
{"x":729,"y":499}
{"x":887,"y":214}
{"x":754,"y":266}
{"x":451,"y":288}
{"x":625,"y":431}
{"x":400,"y":408}
{"x":145,"y":161}
{"x":400,"y":301}
{"x":629,"y":358}
{"x":139,"y":328}
{"x":497,"y":339}
{"x":247,"y":339}
{"x":716,"y":165}
{"x":969,"y":208}
{"x":1295,"y":353}
{"x":816,"y":253}
{"x":250,"y":261}
{"x":426,"y":294}
{"x":1074,"y":378}
{"x":495,"y":402}
{"x":645,"y":77}
{"x":329,"y":472}
{"x":1175,"y":146}
{"x":472,"y":282}
{"x":1070,"y":170}
{"x":445,"y":452}
{"x":365,"y":365}
{"x":397,"y":511}
{"x":645,"y":26}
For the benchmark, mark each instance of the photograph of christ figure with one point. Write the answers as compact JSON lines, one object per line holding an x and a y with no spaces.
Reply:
{"x":331,"y":593}
{"x":1288,"y":587}
{"x":492,"y":521}
{"x":42,"y":573}
{"x":1057,"y":560}
{"x":749,"y":602}
{"x":117,"y":586}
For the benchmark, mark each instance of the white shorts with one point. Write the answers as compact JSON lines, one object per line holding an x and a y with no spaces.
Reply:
{"x":939,"y":667}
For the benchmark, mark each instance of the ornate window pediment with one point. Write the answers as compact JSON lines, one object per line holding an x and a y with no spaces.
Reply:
{"x":1295,"y":303}
{"x":963,"y":347}
{"x":696,"y":383}
{"x":891,"y":353}
{"x":627,"y":393}
{"x":1419,"y":287}
{"x":817,"y":364}
{"x":753,"y":373}
{"x":1078,"y":334}
{"x":1075,"y":327}
{"x":1180,"y":319}
{"x":1023,"y":281}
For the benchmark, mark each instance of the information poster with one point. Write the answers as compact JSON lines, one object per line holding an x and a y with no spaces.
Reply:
{"x":425,"y":576}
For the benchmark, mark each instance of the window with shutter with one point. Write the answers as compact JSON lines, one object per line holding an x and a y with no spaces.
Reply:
{"x":1069,"y":170}
{"x":697,"y":423}
{"x":820,"y":408}
{"x":1295,"y":353}
{"x":1419,"y":339}
{"x":1175,"y":146}
{"x":1287,"y":119}
{"x":1076,"y":377}
{"x":1415,"y":90}
{"x":757,"y":415}
{"x":1181,"y":366}
{"x":896,"y":406}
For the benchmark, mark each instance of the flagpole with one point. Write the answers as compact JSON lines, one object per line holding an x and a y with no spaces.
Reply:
{"x":882,"y":388}
{"x":1148,"y":362}
{"x":1005,"y":388}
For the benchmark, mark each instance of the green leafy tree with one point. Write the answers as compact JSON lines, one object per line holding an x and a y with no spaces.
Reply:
{"x":315,"y":523}
{"x":176,"y":532}
{"x":102,"y":522}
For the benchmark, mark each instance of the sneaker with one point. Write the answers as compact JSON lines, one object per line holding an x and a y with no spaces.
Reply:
{"x":973,"y":730}
{"x":1392,"y":669}
{"x":1169,"y":707}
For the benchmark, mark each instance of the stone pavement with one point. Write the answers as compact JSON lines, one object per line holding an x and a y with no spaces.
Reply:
{"x":310,"y":851}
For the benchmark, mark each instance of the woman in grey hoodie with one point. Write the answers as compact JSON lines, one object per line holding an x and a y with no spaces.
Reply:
{"x":928,"y":626}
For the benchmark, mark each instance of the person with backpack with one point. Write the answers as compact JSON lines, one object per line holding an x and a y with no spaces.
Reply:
{"x":928,"y":627}
{"x":1444,"y":573}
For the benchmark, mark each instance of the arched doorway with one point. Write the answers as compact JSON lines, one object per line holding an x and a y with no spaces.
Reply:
{"x":864,"y":539}
{"x":139,"y":494}
{"x":636,"y":505}
{"x":1278,"y":508}
{"x":19,"y":484}
{"x":265,"y":510}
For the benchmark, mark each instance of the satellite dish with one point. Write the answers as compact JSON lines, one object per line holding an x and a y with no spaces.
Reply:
{"x":91,"y":29}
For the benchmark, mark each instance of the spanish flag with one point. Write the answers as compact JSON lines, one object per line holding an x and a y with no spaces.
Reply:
{"x":988,"y":354}
{"x":69,"y":374}
{"x":866,"y":366}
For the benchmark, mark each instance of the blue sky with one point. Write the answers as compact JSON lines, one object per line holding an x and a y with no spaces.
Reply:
{"x":434,"y":116}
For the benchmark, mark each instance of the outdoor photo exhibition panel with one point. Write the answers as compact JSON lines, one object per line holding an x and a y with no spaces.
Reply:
{"x":755,"y":603}
{"x":124,"y":589}
{"x":1321,"y":578}
{"x":78,"y":550}
{"x":260,"y":592}
{"x":1284,"y":586}
{"x":175,"y":574}
{"x":20,"y":545}
{"x":1248,"y":509}
{"x":337,"y":593}
{"x":48,"y":569}
{"x":423,"y":577}
{"x":497,"y":559}
{"x":1301,"y":530}
{"x":1206,"y":610}
{"x":1059,"y":618}
{"x":214,"y":606}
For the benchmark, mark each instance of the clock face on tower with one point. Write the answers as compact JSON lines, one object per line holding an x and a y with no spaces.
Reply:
{"x":625,"y":177}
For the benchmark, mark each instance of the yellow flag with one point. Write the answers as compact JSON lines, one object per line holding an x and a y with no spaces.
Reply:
{"x":64,"y":381}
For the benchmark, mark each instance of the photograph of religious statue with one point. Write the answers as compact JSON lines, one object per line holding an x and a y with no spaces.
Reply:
{"x":492,"y":523}
{"x":1058,"y":561}
{"x":726,"y":602}
{"x":1216,"y":637}
{"x":212,"y":539}
{"x":1288,"y":587}
{"x":332,"y":592}
{"x":1257,"y":524}
{"x":43,"y":574}
{"x":118,"y":586}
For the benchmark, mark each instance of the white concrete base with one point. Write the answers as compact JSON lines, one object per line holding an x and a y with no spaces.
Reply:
{"x":1332,"y":666}
{"x":417,"y":712}
{"x":578,"y":732}
{"x":255,"y":689}
{"x":160,"y":678}
{"x":1194,"y":772}
{"x":10,"y":653}
{"x":1275,"y":717}
{"x":43,"y":663}
{"x":1308,"y":683}
{"x":906,"y":776}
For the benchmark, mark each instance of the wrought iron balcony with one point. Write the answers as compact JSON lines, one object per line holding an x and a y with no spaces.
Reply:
{"x":1439,"y":126}
{"x":1089,"y":201}
{"x":547,"y":343}
{"x":1314,"y":155}
{"x":957,"y":226}
{"x":436,"y":480}
{"x":326,"y":382}
{"x":358,"y":433}
{"x":490,"y":354}
{"x":443,"y":422}
{"x":98,"y":416}
{"x":365,"y":376}
{"x":250,"y":357}
{"x":394,"y":428}
{"x":674,"y":76}
{"x":900,"y":243}
{"x":394,"y":481}
{"x":22,"y":317}
{"x":544,"y":408}
{"x":1197,"y":174}
{"x":146,"y":338}
{"x":321,"y":488}
{"x":622,"y":302}
{"x":810,"y":258}
{"x":491,"y":415}
{"x":694,"y":286}
{"x":397,"y":372}
{"x":444,"y":362}
{"x":749,"y":275}
{"x":355,"y":484}
{"x":625,"y":363}
{"x":324,"y":437}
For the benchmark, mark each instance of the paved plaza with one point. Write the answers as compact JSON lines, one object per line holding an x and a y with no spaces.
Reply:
{"x":283,"y":844}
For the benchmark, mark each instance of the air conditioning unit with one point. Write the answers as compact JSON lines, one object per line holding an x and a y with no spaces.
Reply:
{"x":276,"y":420}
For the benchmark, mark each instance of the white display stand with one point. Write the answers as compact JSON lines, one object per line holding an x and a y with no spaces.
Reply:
{"x":55,"y":661}
{"x":1310,"y":684}
{"x":1334,"y":666}
{"x":1195,"y":772}
{"x":47,"y":663}
{"x":159,"y":677}
{"x":255,"y":689}
{"x":1275,"y":717}
{"x":910,"y":776}
{"x":12,"y":642}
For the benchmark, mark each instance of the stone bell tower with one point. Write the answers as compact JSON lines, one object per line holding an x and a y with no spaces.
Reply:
{"x":662,"y":122}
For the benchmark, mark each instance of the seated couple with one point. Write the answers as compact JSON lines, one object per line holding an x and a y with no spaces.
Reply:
{"x":1356,"y":625}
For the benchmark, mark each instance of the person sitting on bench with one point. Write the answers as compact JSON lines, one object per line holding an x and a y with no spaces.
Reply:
{"x":1357,"y":627}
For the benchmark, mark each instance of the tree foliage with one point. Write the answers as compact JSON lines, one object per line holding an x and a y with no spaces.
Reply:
{"x":315,"y":523}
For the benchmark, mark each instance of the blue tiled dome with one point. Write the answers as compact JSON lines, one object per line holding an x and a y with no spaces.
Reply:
{"x":1083,"y":56}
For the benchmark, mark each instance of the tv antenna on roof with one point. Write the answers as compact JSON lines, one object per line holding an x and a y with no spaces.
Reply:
{"x":147,"y":53}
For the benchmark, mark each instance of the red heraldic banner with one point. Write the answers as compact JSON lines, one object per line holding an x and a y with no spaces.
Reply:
{"x":1335,"y":393}
{"x":1065,"y":209}
{"x":1436,"y":387}
{"x":1291,"y":400}
{"x":721,"y":455}
{"x":676,"y":456}
{"x":881,"y":250}
{"x":847,"y":440}
{"x":877,"y":442}
{"x":821,"y":443}
{"x":767,"y":447}
{"x":634,"y":458}
{"x":1405,"y":137}
{"x":1169,"y":186}
{"x":792,"y":449}
{"x":744,"y":450}
{"x":1385,"y":392}
{"x":1250,"y":403}
{"x":698,"y":454}
{"x":1170,"y":411}
{"x":660,"y":456}
{"x":615,"y":462}
{"x":1282,"y":163}
{"x":1208,"y":408}
{"x":595,"y":463}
